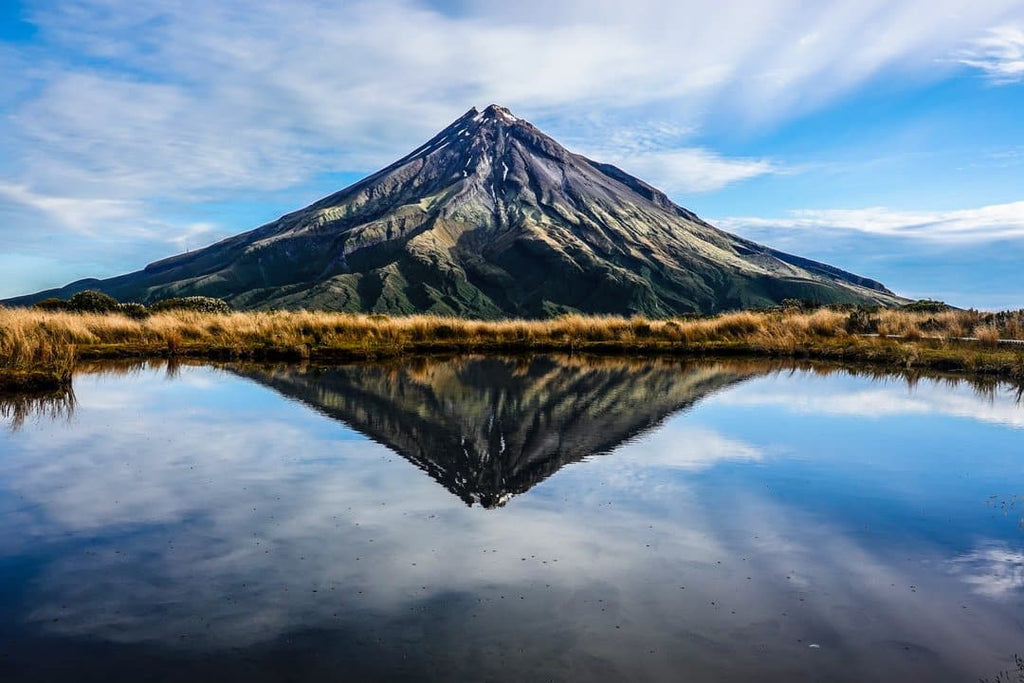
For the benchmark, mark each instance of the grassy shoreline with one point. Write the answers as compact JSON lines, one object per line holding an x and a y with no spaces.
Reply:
{"x":39,"y":349}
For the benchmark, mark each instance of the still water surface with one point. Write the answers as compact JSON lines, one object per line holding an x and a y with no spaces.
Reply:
{"x":511,"y":519}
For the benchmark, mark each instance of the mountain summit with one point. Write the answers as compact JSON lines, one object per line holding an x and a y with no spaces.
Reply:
{"x":491,"y":218}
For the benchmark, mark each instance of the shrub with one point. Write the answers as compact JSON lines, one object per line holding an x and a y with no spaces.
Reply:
{"x":133,"y":310}
{"x":861,"y":322}
{"x":51,"y":304}
{"x":803,"y":305}
{"x":91,"y":301}
{"x":641,"y":328}
{"x":199,"y":304}
{"x":926,"y":306}
{"x":445,"y":331}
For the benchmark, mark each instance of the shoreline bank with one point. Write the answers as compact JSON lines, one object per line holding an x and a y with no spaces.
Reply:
{"x":39,"y":349}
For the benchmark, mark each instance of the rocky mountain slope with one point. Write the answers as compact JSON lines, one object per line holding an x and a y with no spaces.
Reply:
{"x":491,"y":218}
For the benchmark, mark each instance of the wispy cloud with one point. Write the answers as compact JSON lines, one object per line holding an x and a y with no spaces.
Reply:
{"x":176,"y":104}
{"x":886,"y":400}
{"x":999,"y":54}
{"x":982,"y":224}
{"x":693,"y":169}
{"x":76,"y":215}
{"x":993,"y":570}
{"x":104,"y":220}
{"x":166,"y":99}
{"x":659,"y":153}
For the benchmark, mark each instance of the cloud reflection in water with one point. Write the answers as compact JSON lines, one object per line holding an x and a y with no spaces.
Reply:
{"x":204,"y":513}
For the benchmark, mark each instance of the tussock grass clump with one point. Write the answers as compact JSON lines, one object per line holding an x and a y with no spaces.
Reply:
{"x":988,"y":335}
{"x":34,"y":356}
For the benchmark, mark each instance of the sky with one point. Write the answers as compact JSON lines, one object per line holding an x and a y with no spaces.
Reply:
{"x":882,"y":136}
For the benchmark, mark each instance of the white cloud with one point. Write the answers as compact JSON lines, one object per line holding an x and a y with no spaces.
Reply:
{"x":76,"y":215}
{"x":173,"y":104}
{"x":194,"y":235}
{"x":999,"y":54}
{"x":883,"y":401}
{"x":686,"y":169}
{"x":982,"y":224}
{"x":697,"y":170}
{"x":993,"y":570}
{"x":167,"y":100}
{"x":659,"y":152}
{"x":105,"y":220}
{"x":677,"y":445}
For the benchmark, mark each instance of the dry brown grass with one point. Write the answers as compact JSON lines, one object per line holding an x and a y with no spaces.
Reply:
{"x":30,"y":353}
{"x":987,"y":335}
{"x":39,"y":340}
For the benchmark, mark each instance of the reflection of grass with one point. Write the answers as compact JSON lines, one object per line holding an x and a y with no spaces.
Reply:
{"x":423,"y":368}
{"x":47,"y":343}
{"x":1007,"y":505}
{"x":1009,"y":676}
{"x":19,"y":406}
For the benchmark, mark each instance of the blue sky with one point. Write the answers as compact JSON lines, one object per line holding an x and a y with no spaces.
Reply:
{"x":883,"y":136}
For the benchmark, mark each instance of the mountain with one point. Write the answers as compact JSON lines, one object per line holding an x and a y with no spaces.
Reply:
{"x":488,"y":428}
{"x":491,"y":218}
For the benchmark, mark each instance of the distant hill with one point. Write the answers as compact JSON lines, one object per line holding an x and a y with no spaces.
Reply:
{"x":491,"y":218}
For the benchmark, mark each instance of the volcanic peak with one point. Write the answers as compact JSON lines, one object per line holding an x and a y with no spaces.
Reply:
{"x":491,"y":218}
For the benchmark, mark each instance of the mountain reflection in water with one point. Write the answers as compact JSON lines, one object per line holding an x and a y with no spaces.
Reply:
{"x":488,"y":428}
{"x":745,"y":521}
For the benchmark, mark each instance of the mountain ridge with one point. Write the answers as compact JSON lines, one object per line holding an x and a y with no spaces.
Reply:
{"x":491,"y":218}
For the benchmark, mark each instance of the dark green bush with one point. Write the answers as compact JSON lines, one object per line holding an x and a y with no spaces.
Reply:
{"x":861,"y":322}
{"x":927,"y":306}
{"x":51,"y":304}
{"x":91,"y":301}
{"x":133,"y":310}
{"x":199,"y":304}
{"x":444,"y":331}
{"x":847,"y":307}
{"x":641,"y":328}
{"x":803,"y":305}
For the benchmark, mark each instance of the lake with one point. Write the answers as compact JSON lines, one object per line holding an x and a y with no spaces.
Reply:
{"x":509,"y":519}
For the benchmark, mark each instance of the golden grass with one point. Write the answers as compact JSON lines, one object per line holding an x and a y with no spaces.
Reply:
{"x":60,"y":404}
{"x":987,"y":335}
{"x":33,"y":355}
{"x":40,"y":341}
